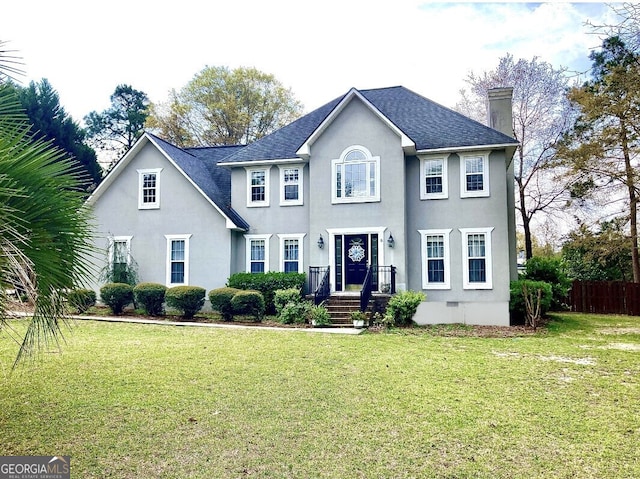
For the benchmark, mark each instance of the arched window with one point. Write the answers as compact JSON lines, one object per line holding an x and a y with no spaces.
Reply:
{"x":356,"y":176}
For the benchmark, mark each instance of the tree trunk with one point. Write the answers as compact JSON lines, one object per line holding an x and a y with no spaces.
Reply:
{"x":526,"y":222}
{"x":633,"y":205}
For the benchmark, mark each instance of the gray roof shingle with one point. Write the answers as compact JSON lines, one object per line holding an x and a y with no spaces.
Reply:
{"x":200,"y":164}
{"x":428,"y":124}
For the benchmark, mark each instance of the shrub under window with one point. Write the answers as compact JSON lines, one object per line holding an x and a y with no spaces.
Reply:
{"x":187,"y":299}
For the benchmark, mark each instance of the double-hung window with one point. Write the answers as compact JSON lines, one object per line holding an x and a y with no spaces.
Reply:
{"x":177,"y":260}
{"x":476,"y":258}
{"x":291,"y":249}
{"x":433,"y":179}
{"x":291,"y":182}
{"x":474,"y":178}
{"x":257,"y":253}
{"x":258,"y":187}
{"x":149,"y":188}
{"x":356,"y":176}
{"x":435,"y":259}
{"x":120,"y":258}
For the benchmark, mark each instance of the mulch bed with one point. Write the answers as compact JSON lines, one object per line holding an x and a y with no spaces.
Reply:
{"x":438,"y":330}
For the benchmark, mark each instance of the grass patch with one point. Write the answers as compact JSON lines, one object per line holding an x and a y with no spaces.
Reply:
{"x":130,"y":401}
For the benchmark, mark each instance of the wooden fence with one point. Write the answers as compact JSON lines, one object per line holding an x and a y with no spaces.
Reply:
{"x":606,"y":297}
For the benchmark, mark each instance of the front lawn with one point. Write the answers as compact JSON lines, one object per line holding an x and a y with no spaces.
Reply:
{"x":141,"y":401}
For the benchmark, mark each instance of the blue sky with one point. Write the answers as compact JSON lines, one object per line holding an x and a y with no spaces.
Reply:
{"x":318,"y":49}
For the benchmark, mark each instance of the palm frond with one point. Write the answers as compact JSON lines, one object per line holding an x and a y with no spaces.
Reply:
{"x":45,"y":233}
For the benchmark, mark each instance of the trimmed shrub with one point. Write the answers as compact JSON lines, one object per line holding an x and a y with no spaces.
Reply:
{"x":151,"y":297}
{"x":267,"y":284}
{"x":249,"y":303}
{"x":116,"y":296}
{"x":402,"y":306}
{"x":187,"y":299}
{"x":81,"y":299}
{"x":319,"y":315}
{"x":284,"y":296}
{"x":517,"y":306}
{"x":551,"y":271}
{"x":220,"y":299}
{"x":296,"y":312}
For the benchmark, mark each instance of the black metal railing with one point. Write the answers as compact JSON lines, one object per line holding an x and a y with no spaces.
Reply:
{"x":385,"y":280}
{"x":380,"y":279}
{"x":319,"y":283}
{"x":367,"y":288}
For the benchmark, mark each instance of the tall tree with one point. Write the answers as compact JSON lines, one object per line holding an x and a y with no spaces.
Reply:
{"x":627,"y":26}
{"x":220,"y":106}
{"x":598,"y":254}
{"x":541,"y":113}
{"x":50,"y":122}
{"x":45,"y":233}
{"x":116,"y":129}
{"x":604,"y":143}
{"x":171,"y":120}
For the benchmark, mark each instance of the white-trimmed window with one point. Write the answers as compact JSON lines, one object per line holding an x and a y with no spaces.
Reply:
{"x":291,"y":181}
{"x":476,"y":258}
{"x":149,"y":188}
{"x":258,"y":186}
{"x":474,"y":177}
{"x":433,"y":178}
{"x":435,"y":259}
{"x":291,"y":252}
{"x":119,"y":254}
{"x":356,"y":176}
{"x":177,"y":260}
{"x":257,"y":253}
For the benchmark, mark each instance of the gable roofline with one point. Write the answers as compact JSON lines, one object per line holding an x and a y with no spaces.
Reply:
{"x":115,"y":171}
{"x":408,"y":145}
{"x":126,"y":159}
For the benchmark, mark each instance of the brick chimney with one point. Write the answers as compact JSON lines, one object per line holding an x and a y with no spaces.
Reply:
{"x":499,"y":110}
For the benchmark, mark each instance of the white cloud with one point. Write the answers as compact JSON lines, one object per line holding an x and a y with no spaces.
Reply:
{"x":318,"y":49}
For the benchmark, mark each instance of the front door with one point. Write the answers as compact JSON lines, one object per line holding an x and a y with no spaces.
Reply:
{"x":356,"y":259}
{"x":353,"y":254}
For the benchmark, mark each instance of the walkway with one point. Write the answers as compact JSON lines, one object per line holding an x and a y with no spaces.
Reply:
{"x":159,"y":322}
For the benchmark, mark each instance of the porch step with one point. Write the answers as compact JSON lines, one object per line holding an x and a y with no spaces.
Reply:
{"x":340,"y":308}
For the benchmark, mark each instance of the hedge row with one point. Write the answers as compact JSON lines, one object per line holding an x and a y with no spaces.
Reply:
{"x":258,"y":292}
{"x":267,"y":284}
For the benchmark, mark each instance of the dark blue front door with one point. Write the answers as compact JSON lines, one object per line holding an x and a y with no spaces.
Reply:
{"x":356,"y":256}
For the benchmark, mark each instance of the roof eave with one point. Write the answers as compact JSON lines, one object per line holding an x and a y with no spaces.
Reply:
{"x":454,"y":149}
{"x":279,"y":161}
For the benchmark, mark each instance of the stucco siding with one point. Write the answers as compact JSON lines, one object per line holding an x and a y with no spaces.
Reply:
{"x":494,"y":313}
{"x":358,"y":125}
{"x":183,"y":211}
{"x":456,"y":213}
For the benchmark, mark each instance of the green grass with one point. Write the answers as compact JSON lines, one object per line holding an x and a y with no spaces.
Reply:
{"x":139,"y":401}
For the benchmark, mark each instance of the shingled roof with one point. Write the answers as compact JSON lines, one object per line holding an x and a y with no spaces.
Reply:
{"x":200,"y":164}
{"x":428,"y":124}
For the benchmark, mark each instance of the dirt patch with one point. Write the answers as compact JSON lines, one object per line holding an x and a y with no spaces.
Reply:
{"x":618,"y":331}
{"x":465,"y":331}
{"x":558,"y":359}
{"x":622,"y":346}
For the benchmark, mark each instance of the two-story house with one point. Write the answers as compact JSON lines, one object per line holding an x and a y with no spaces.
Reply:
{"x":373,"y":179}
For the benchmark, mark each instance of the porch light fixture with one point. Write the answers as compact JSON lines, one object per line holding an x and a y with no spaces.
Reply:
{"x":391,"y":241}
{"x":320,"y":242}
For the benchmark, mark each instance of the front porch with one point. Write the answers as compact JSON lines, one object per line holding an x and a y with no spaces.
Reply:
{"x":371,"y":296}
